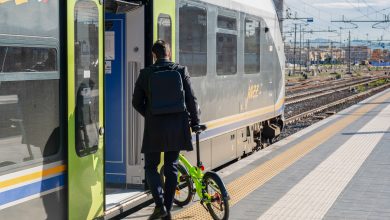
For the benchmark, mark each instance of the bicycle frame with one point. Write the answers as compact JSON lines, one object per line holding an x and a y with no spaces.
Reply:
{"x":204,"y":182}
{"x":196,"y":175}
{"x":196,"y":172}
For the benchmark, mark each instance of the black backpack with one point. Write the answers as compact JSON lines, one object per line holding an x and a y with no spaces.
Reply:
{"x":166,"y":90}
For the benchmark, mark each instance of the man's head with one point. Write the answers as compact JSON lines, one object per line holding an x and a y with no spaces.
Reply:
{"x":161,"y":50}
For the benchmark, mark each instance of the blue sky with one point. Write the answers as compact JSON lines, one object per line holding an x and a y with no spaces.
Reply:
{"x":323,"y":11}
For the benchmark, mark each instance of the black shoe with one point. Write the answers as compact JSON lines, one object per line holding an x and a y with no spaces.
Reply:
{"x":158,"y":213}
{"x":168,"y":217}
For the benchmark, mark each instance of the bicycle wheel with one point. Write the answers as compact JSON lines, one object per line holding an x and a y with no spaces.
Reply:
{"x":185,"y":187}
{"x":219,"y":204}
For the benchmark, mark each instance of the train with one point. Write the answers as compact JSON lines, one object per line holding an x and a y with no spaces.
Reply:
{"x":69,"y":137}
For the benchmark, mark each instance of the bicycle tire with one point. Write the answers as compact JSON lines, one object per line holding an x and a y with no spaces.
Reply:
{"x":185,"y":184}
{"x":213,"y":186}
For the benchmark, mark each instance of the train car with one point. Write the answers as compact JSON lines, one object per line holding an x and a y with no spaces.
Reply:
{"x":69,"y":138}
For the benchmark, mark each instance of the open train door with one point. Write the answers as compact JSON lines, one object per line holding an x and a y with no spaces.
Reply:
{"x":85,"y":109}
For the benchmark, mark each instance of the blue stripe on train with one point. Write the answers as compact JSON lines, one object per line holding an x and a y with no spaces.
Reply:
{"x":32,"y":189}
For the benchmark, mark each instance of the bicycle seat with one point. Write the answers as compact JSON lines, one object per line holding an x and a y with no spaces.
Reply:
{"x":199,"y":128}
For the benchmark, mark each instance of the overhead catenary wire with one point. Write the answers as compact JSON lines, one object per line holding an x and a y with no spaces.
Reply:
{"x":366,"y":8}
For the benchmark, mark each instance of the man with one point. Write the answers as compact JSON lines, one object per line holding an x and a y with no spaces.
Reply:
{"x":169,"y":132}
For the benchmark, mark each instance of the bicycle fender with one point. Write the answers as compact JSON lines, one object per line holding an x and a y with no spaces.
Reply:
{"x":218,"y":179}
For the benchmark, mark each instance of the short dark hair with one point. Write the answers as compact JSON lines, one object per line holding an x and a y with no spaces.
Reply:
{"x":161,"y":49}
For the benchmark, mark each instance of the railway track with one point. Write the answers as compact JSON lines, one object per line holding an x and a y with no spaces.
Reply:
{"x":323,"y":85}
{"x":301,"y":97}
{"x":312,"y":83}
{"x":322,"y":108}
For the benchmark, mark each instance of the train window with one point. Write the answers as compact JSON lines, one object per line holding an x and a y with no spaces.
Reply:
{"x":87,"y":77}
{"x":29,"y":86}
{"x":227,"y":23}
{"x":226,"y":54}
{"x":193,"y":39}
{"x":29,"y":105}
{"x":27,"y":59}
{"x":252,"y":46}
{"x":29,"y":121}
{"x":164,"y":28}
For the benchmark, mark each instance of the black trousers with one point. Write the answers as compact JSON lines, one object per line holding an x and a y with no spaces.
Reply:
{"x":162,"y":196}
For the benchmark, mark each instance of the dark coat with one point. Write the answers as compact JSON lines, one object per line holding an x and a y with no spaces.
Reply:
{"x":168,"y":132}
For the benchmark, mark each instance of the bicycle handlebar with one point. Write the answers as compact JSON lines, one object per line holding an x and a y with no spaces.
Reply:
{"x":199,"y":128}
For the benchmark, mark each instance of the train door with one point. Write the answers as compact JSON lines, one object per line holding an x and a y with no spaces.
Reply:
{"x":85,"y":109}
{"x":135,"y":61}
{"x":114,"y":105}
{"x":127,"y":37}
{"x":124,"y":57}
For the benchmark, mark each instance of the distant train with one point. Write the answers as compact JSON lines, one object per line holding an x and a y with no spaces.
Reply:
{"x":69,"y":138}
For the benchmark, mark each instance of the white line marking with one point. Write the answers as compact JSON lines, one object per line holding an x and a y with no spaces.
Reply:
{"x":314,"y":195}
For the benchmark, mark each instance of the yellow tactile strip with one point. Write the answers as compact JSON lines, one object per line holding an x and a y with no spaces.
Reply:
{"x":244,"y":185}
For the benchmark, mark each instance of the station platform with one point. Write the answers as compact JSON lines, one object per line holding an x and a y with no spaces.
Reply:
{"x":338,"y":168}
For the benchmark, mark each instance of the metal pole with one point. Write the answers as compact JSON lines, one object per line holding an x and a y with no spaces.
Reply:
{"x":308,"y":63}
{"x":341,"y":60}
{"x":349,"y":52}
{"x":318,"y":58}
{"x":295,"y":44}
{"x":300,"y":48}
{"x":331,"y":55}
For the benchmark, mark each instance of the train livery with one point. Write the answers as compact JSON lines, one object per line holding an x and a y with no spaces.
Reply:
{"x":69,"y":138}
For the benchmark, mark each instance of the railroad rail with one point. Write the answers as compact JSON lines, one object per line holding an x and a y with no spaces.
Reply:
{"x":300,"y":116}
{"x":292,"y":99}
{"x":291,"y":91}
{"x":308,"y":85}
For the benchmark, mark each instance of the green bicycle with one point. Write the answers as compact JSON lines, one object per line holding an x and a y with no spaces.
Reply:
{"x":208,"y":186}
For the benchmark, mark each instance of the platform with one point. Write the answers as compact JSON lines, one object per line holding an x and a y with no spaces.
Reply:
{"x":338,"y":168}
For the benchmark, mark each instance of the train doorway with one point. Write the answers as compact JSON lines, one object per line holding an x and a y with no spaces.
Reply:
{"x":129,"y":28}
{"x":124,"y":57}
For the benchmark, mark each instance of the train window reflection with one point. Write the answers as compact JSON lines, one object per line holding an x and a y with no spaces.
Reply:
{"x":252,"y":46}
{"x":226,"y":54}
{"x":27,"y":59}
{"x":165,"y":28}
{"x":227,"y":23}
{"x":87,"y":77}
{"x":193,"y":39}
{"x":29,"y":121}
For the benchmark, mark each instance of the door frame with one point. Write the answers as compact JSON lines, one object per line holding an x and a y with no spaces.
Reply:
{"x":85,"y":174}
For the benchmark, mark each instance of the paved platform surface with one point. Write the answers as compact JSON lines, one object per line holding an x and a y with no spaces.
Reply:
{"x":338,"y":168}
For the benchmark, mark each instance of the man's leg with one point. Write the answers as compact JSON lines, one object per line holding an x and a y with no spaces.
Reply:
{"x":170,"y":171}
{"x":152,"y":160}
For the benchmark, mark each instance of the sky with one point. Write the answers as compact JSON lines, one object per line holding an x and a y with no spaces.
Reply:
{"x":324,"y":11}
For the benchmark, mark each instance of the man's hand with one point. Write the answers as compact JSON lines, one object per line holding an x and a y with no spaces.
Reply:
{"x":198,"y":128}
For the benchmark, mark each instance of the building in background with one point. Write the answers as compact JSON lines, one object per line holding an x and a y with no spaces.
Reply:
{"x":358,"y":53}
{"x":379,"y":55}
{"x":314,"y":55}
